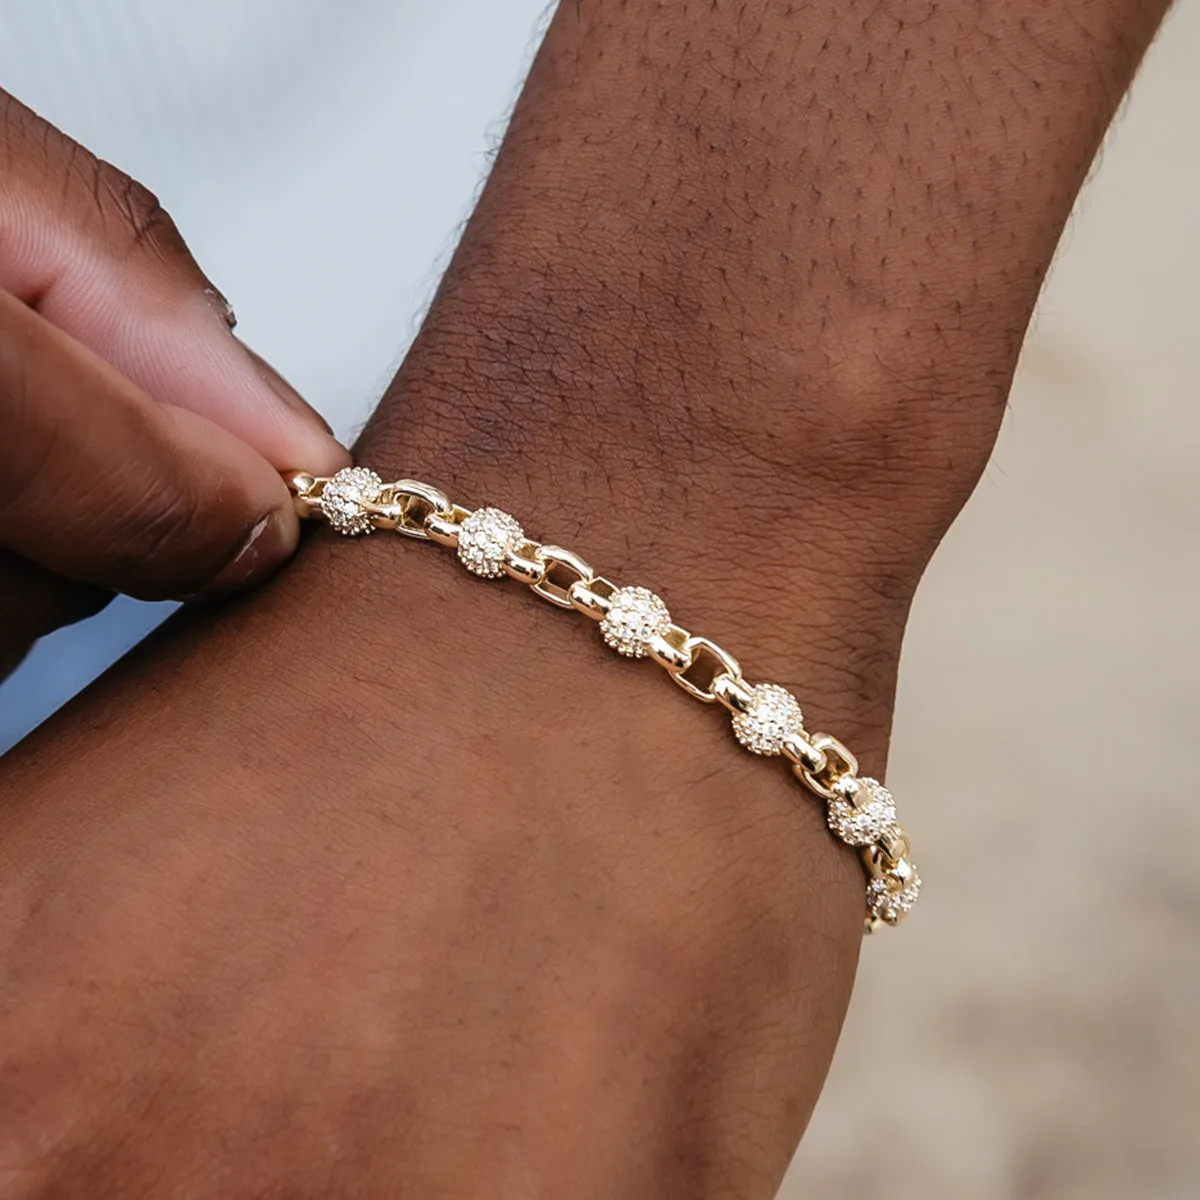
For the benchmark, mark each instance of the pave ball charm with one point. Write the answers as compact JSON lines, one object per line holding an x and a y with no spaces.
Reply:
{"x":633,"y":621}
{"x":773,"y":713}
{"x":343,"y":497}
{"x":484,"y":538}
{"x":635,"y":615}
{"x":865,"y":816}
{"x":890,"y":898}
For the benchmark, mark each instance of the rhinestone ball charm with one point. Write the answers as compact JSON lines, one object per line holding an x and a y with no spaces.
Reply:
{"x":484,"y":538}
{"x":635,"y":615}
{"x":773,"y":713}
{"x":891,"y":898}
{"x":343,"y":497}
{"x":867,"y":817}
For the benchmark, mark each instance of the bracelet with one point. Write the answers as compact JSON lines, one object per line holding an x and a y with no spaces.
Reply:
{"x":766,"y":718}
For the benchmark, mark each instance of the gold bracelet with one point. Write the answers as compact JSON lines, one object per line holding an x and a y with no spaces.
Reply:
{"x":766,"y":718}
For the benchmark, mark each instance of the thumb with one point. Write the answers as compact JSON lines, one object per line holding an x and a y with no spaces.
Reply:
{"x":97,"y":256}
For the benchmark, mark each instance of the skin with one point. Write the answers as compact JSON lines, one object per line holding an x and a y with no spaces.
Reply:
{"x":139,"y":440}
{"x":389,"y":882}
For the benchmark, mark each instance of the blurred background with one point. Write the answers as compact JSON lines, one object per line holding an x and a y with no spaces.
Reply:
{"x":1033,"y":1031}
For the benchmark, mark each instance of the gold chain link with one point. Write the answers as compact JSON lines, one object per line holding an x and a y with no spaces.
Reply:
{"x":765,"y":718}
{"x":699,"y":650}
{"x":554,"y":558}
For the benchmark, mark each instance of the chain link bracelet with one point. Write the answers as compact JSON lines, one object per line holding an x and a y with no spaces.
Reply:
{"x":766,"y":718}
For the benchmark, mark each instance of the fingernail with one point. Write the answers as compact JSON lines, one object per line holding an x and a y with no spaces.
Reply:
{"x":267,"y":547}
{"x":284,"y":390}
{"x":221,"y":304}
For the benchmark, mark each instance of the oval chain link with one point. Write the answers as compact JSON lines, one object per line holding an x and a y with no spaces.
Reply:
{"x":697,"y":649}
{"x":839,"y":764}
{"x":554,"y":558}
{"x":411,"y":494}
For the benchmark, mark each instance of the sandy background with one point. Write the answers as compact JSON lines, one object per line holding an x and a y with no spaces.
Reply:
{"x":1032,"y":1031}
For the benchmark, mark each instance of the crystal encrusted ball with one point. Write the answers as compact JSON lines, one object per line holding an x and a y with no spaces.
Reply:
{"x":484,"y":538}
{"x":343,"y":497}
{"x":773,"y":713}
{"x":891,"y":898}
{"x":867,"y":817}
{"x":635,"y":615}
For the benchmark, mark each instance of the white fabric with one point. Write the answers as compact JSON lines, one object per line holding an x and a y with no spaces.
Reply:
{"x":320,"y":157}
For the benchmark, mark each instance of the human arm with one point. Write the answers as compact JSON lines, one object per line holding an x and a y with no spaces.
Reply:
{"x":441,"y":897}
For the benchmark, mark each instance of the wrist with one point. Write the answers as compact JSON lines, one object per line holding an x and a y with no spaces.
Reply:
{"x":788,"y":531}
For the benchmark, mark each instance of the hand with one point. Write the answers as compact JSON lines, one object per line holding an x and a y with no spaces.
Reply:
{"x":139,"y":440}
